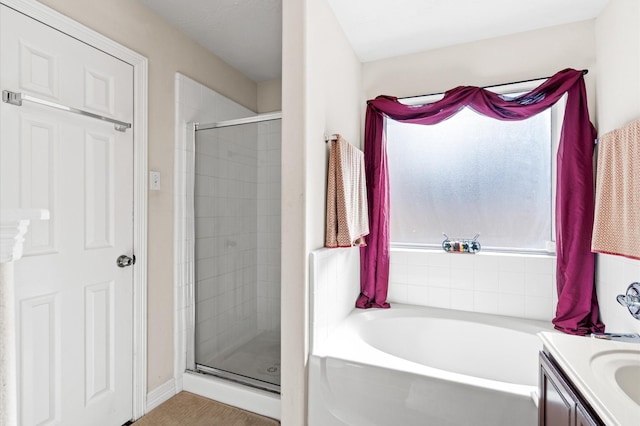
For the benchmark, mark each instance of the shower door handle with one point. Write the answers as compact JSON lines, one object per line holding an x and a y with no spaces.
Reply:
{"x":124,"y":261}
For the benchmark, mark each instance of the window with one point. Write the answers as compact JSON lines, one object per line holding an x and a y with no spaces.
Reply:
{"x":472,"y":174}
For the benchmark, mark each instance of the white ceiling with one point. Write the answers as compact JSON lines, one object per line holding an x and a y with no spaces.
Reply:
{"x":247,"y":33}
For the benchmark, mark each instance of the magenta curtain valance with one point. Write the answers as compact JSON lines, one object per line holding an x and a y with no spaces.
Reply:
{"x":577,"y":309}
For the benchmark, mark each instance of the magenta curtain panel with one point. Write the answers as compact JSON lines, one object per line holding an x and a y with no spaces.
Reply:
{"x":577,"y":310}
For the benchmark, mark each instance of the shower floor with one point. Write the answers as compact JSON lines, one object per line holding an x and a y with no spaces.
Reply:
{"x":258,"y":359}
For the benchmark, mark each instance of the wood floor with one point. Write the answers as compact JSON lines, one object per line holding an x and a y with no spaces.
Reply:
{"x":188,"y":409}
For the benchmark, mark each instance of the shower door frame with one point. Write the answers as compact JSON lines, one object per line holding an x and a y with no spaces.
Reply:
{"x":190,"y":314}
{"x":258,"y":118}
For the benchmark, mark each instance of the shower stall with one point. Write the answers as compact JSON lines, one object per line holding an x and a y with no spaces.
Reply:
{"x":236,"y":318}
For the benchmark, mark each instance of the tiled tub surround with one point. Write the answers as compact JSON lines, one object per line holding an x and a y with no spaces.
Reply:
{"x":515,"y":285}
{"x":518,"y":285}
{"x":335,"y":285}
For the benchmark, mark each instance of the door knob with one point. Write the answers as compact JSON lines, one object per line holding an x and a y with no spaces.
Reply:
{"x":124,"y":261}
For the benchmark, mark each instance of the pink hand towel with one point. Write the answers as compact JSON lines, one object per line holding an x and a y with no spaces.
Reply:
{"x":616,"y":228}
{"x":347,"y":214}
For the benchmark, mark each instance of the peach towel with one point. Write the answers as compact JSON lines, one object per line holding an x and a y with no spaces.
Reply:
{"x":347,"y":214}
{"x":616,"y":227}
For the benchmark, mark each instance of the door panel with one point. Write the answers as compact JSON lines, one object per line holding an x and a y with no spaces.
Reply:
{"x":74,"y":305}
{"x":99,"y":349}
{"x":38,"y":70}
{"x":39,"y":395}
{"x":38,"y":150}
{"x":99,"y":214}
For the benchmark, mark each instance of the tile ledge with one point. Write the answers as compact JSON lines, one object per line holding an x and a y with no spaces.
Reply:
{"x":480,"y":254}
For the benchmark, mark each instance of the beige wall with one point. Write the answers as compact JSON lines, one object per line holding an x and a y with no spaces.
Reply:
{"x":523,"y":56}
{"x":618,"y":87}
{"x":618,"y":50}
{"x":168,"y":50}
{"x":270,"y":96}
{"x":321,"y":95}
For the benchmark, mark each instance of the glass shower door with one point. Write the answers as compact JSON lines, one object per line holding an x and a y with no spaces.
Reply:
{"x":237,"y":250}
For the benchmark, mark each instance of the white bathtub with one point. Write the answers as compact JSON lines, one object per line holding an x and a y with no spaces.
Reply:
{"x":413,"y":365}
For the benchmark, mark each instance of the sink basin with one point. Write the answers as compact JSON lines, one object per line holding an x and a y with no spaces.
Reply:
{"x":620,"y":372}
{"x":628,"y":378}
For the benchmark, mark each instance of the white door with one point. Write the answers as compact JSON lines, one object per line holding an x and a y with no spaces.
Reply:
{"x":74,"y":305}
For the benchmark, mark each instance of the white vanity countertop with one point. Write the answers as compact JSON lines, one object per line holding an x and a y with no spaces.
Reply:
{"x":591,"y":365}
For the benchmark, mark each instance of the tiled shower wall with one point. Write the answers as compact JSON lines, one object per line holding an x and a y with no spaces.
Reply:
{"x":269,"y":162}
{"x":226,"y":239}
{"x":194,"y":103}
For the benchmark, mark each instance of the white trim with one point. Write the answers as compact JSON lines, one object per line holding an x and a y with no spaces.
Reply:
{"x":183,"y":271}
{"x":140,"y":81}
{"x":162,"y":393}
{"x":140,"y":170}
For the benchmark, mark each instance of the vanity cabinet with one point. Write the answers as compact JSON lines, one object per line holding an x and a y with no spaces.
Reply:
{"x":559,"y":403}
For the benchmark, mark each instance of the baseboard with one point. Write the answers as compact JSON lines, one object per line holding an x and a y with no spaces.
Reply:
{"x":160,"y":394}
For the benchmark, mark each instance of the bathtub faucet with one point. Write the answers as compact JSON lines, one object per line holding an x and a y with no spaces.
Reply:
{"x":631,"y":300}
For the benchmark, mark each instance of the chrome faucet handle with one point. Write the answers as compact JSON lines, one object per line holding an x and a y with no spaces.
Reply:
{"x":631,"y":300}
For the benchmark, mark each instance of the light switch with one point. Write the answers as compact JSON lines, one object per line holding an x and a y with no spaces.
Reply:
{"x":154,"y":181}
